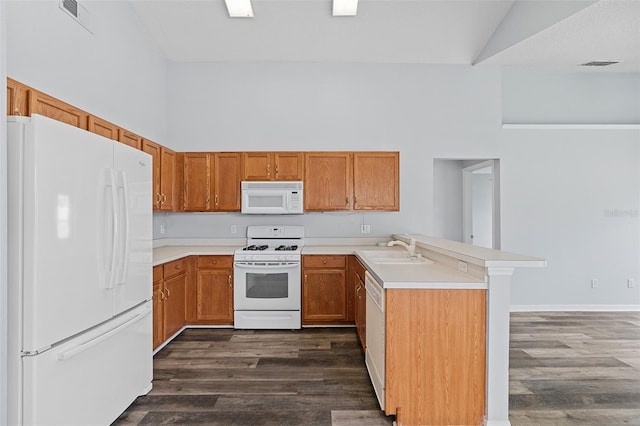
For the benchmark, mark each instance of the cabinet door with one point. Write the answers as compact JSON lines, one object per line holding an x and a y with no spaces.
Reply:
{"x":158,"y":310}
{"x":361,"y":312}
{"x":102,"y":127}
{"x":17,"y":98}
{"x":214,"y":300}
{"x":257,"y":166}
{"x":42,"y":104}
{"x":376,"y":184}
{"x":174,"y":304}
{"x":324,"y":295}
{"x":288,"y":165}
{"x":128,"y":138}
{"x":154,"y":150}
{"x":197,"y":175}
{"x":227,"y":171}
{"x":167,"y":179}
{"x":327,"y":181}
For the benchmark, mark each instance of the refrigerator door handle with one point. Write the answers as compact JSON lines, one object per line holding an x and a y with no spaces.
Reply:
{"x":115,"y":330}
{"x":126,"y":233}
{"x":113,"y":182}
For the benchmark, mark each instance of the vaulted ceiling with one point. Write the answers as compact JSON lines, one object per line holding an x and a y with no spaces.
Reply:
{"x":551,"y":34}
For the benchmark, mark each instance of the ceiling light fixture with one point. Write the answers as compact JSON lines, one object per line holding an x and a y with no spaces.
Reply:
{"x":345,"y":7}
{"x":239,"y":8}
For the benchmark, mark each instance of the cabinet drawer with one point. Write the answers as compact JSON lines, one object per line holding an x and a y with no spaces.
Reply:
{"x":215,"y":262}
{"x":157,"y":273}
{"x":174,"y":268}
{"x":324,"y":261}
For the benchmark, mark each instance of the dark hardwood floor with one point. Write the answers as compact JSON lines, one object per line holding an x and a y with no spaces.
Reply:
{"x":236,"y":377}
{"x":566,"y":368}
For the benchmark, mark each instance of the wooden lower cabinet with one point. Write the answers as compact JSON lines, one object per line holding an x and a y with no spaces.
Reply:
{"x":325,"y":298}
{"x":170,"y":282}
{"x":360,"y":299}
{"x":158,"y":307}
{"x":214,"y":290}
{"x":435,"y":356}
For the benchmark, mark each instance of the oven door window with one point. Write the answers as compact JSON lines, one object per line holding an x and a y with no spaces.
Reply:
{"x":267,"y":285}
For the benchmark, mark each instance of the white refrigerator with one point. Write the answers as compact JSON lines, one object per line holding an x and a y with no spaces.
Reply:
{"x":80,"y":274}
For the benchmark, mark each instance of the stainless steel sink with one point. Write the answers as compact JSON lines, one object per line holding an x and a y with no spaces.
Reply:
{"x":394,"y":257}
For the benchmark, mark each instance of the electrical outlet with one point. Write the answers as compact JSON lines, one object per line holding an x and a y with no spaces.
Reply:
{"x":594,"y":283}
{"x":631,"y":283}
{"x":234,"y":229}
{"x":365,"y":229}
{"x":163,"y":228}
{"x":462,"y":266}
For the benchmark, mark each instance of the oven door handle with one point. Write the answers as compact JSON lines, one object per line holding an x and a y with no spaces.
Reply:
{"x":262,"y":265}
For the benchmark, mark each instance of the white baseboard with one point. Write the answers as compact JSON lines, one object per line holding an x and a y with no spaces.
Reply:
{"x":574,"y":308}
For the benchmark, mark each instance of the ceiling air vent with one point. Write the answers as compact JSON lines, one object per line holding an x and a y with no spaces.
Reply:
{"x":599,"y":63}
{"x":78,"y":12}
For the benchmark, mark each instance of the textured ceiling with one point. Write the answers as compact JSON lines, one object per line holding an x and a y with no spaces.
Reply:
{"x":553,"y":34}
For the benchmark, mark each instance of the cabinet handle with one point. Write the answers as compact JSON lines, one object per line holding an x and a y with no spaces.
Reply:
{"x":276,"y":170}
{"x":324,"y":261}
{"x":158,"y":198}
{"x":214,"y":261}
{"x":268,"y":169}
{"x":162,"y":295}
{"x":305,"y":278}
{"x":216,"y":200}
{"x":16,"y":111}
{"x":346,"y":200}
{"x":168,"y":293}
{"x":177,"y":266}
{"x":229,"y":280}
{"x":355,"y":200}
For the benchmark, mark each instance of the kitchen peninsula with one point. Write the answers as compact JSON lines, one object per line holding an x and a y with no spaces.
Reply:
{"x":447,"y":323}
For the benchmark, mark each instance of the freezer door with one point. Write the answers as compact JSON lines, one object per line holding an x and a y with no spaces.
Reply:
{"x":135,"y":257}
{"x":91,"y":379}
{"x":68,"y":231}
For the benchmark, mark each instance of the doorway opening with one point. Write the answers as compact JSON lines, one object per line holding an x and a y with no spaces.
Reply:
{"x":467,"y":201}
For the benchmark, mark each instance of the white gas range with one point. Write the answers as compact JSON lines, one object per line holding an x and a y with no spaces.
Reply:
{"x":267,"y":285}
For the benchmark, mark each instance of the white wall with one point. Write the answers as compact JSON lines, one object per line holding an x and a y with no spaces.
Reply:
{"x":116,"y":73}
{"x":572,"y":196}
{"x":421,"y":111}
{"x":447,"y":199}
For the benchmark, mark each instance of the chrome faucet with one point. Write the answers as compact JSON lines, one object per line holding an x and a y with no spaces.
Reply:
{"x":411,"y":247}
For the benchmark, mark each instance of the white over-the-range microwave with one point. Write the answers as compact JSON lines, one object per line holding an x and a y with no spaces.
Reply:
{"x":272,"y":197}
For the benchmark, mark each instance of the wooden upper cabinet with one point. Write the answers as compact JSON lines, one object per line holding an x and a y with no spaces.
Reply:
{"x":164,"y":175}
{"x":102,"y":127}
{"x":376,"y":181}
{"x":168,"y":168}
{"x":129,"y":138}
{"x":226,"y":181}
{"x":257,"y":166}
{"x":17,"y":98}
{"x":327,"y":181}
{"x":153,"y":149}
{"x":196,"y":181}
{"x":273,"y":165}
{"x":288,"y":165}
{"x":42,"y":104}
{"x":212,"y":181}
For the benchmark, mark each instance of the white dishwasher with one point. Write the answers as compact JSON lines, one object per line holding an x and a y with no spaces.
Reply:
{"x":375,"y":352}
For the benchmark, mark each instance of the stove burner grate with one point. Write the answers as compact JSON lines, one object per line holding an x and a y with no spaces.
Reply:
{"x":254,"y":247}
{"x":287,"y":248}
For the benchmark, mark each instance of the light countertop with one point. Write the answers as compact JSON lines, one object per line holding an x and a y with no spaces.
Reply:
{"x":427,"y":276}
